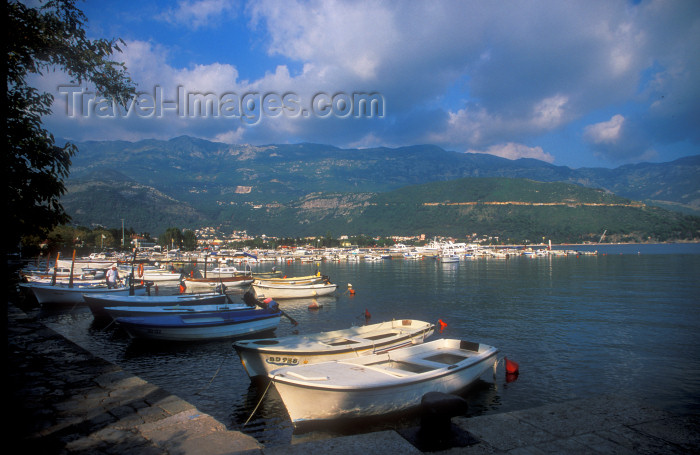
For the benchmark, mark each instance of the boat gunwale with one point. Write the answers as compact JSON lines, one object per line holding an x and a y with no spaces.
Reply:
{"x":182,"y":325}
{"x":397,"y":382}
{"x":362,"y":346}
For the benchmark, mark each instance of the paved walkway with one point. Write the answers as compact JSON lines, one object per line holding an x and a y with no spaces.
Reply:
{"x":64,"y":400}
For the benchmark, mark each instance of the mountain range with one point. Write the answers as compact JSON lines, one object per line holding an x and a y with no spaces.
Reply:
{"x":310,"y":189}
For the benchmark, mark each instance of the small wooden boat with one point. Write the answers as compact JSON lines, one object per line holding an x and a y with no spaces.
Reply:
{"x":261,"y":356}
{"x":224,"y":272}
{"x":66,"y":281}
{"x":129,"y":311}
{"x":292,"y":291}
{"x":380,"y":384}
{"x":202,"y":326}
{"x":213,"y":283}
{"x":151,"y":273}
{"x":98,"y":302}
{"x":63,"y":274}
{"x":75,"y":295}
{"x":308,"y":279}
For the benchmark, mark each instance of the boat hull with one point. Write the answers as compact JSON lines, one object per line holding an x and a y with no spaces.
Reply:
{"x":259,"y":357}
{"x":203,"y":326}
{"x":130,"y":311}
{"x":292,"y":291}
{"x":212,"y":283}
{"x":355,"y":388}
{"x":98,"y":302}
{"x":308,"y":279}
{"x":64,"y":295}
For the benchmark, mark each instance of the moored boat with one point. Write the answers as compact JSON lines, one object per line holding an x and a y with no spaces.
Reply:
{"x":98,"y":302}
{"x":151,"y":273}
{"x":307,"y":279}
{"x":202,"y":326}
{"x":260,"y":356}
{"x":212,"y":283}
{"x":62,"y":294}
{"x":380,"y":384}
{"x":128,"y":311}
{"x":292,"y":291}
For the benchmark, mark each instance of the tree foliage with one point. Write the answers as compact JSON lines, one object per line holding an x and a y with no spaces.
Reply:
{"x":50,"y":37}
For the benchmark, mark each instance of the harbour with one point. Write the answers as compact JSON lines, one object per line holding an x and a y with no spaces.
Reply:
{"x":620,"y":323}
{"x":66,"y":400}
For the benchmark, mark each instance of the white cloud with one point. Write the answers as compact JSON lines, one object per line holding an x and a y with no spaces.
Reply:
{"x":514,"y":151}
{"x":198,"y":13}
{"x":550,"y":112}
{"x":608,"y":132}
{"x":464,"y":75}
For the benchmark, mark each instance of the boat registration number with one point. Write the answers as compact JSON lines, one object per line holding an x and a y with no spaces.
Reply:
{"x":278,"y":360}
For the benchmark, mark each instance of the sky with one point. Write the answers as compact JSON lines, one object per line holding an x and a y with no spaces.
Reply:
{"x":587,"y":83}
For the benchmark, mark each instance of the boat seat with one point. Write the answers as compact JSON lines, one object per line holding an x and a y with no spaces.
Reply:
{"x":429,"y":364}
{"x":390,"y":371}
{"x":359,"y":339}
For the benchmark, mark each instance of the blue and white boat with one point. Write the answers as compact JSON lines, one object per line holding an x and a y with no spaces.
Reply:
{"x":99,"y":301}
{"x":129,"y":311}
{"x":202,"y":325}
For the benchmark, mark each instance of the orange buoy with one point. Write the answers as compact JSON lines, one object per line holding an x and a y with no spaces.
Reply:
{"x":511,"y":367}
{"x":443,"y":324}
{"x":314,"y":305}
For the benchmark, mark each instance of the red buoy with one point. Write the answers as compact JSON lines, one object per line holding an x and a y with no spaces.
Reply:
{"x":511,"y":367}
{"x":443,"y":324}
{"x":367,"y":315}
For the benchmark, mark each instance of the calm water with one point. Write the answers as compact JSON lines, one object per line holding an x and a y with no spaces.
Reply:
{"x":624,"y":322}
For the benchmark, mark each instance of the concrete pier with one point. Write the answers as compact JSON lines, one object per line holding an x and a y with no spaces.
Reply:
{"x":64,"y":400}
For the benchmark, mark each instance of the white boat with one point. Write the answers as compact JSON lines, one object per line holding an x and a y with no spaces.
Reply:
{"x":63,"y":273}
{"x":64,"y":281}
{"x":448,"y":258}
{"x":448,"y":254}
{"x":223,"y":272}
{"x":151,"y":273}
{"x":86,"y":263}
{"x":98,"y":302}
{"x":380,"y":384}
{"x":261,"y":356}
{"x":67,"y":295}
{"x":292,"y":291}
{"x":210,"y":283}
{"x":307,"y":279}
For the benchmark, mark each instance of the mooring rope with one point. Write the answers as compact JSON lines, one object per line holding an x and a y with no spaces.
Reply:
{"x":212,"y":379}
{"x":110,"y":323}
{"x":260,"y":401}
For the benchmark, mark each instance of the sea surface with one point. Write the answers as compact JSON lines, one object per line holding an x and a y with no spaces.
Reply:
{"x":624,"y":322}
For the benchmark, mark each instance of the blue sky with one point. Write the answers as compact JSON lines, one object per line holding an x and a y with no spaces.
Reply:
{"x":574,"y":83}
